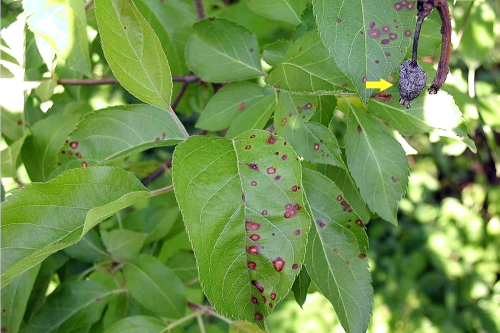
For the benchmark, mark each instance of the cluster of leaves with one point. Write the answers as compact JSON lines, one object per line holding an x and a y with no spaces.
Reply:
{"x":265,"y":211}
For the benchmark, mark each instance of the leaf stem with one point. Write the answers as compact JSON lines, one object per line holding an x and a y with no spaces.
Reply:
{"x":162,"y":190}
{"x":200,"y":9}
{"x":200,"y":324}
{"x":184,"y":319}
{"x":208,"y":310}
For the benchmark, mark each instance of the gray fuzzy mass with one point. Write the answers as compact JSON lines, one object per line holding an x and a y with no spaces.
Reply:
{"x":412,"y":81}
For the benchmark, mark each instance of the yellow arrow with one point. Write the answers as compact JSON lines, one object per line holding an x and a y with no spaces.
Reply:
{"x":382,"y":84}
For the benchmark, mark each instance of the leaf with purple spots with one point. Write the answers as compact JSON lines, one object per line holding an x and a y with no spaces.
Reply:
{"x":242,"y":219}
{"x":118,"y":132}
{"x":254,"y":117}
{"x":336,"y":253}
{"x":308,"y":68}
{"x":314,"y":142}
{"x":374,"y":157}
{"x":363,"y":32}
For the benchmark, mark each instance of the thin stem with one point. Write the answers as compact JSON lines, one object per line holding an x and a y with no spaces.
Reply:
{"x":208,"y":310}
{"x":200,"y":324}
{"x":444,"y":59}
{"x":424,"y":9}
{"x":90,"y":269}
{"x":200,"y":9}
{"x":184,"y":319}
{"x":157,"y":173}
{"x":162,"y":190}
{"x":179,"y":96}
{"x":193,"y":281}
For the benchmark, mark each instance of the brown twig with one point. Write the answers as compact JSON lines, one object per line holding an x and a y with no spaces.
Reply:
{"x":200,"y":9}
{"x":444,"y":59}
{"x":94,"y":82}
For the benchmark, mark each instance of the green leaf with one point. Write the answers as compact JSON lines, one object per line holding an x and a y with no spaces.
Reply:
{"x":282,"y":10}
{"x":58,"y":213}
{"x":227,"y":104}
{"x":314,"y":142}
{"x":241,"y":326}
{"x":336,"y":253}
{"x":118,"y":132}
{"x":12,"y":124}
{"x":171,"y":20}
{"x":222,"y":51}
{"x":343,"y":180}
{"x":183,"y":264}
{"x":135,"y":324}
{"x":71,"y":306}
{"x":134,"y":52}
{"x":154,"y":221}
{"x":65,"y":30}
{"x":300,"y":286}
{"x":155,"y":286}
{"x":426,"y":114}
{"x":46,"y":89}
{"x":325,"y":111}
{"x":40,"y":150}
{"x":89,"y":249}
{"x":274,"y":53}
{"x":255,"y":117}
{"x":14,"y":299}
{"x":251,"y":243}
{"x":367,"y":39}
{"x":307,"y":68}
{"x":119,"y":308}
{"x":10,"y":157}
{"x":377,"y":163}
{"x":123,"y":244}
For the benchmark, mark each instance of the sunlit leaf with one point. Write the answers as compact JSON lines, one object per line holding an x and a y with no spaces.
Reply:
{"x":282,"y":10}
{"x":123,"y":244}
{"x":254,"y":117}
{"x":138,"y":323}
{"x":300,"y":286}
{"x":250,"y":245}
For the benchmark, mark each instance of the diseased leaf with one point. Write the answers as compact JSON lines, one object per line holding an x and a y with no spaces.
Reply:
{"x":133,"y":51}
{"x":300,"y":286}
{"x":123,"y":244}
{"x":250,"y":245}
{"x":155,"y":286}
{"x":307,"y":68}
{"x":227,"y":104}
{"x":58,"y":213}
{"x":314,"y":142}
{"x":15,"y":297}
{"x":377,"y":163}
{"x":274,"y":53}
{"x":336,"y":253}
{"x":117,"y":132}
{"x":254,"y":117}
{"x":89,"y":249}
{"x":73,"y":305}
{"x":222,"y":51}
{"x":40,"y":150}
{"x":138,"y":323}
{"x":367,"y":39}
{"x":281,"y":10}
{"x":62,"y":23}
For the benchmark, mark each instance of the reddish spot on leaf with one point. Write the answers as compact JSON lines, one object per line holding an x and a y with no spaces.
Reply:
{"x":63,"y":151}
{"x":339,"y":198}
{"x":294,"y":188}
{"x":258,"y":285}
{"x":164,"y":135}
{"x":84,"y":164}
{"x":251,"y":50}
{"x":345,"y":85}
{"x":364,"y":80}
{"x":362,"y":256}
{"x":295,"y":266}
{"x":307,"y":106}
{"x":348,"y":262}
{"x":374,"y":33}
{"x":271,"y":170}
{"x":345,"y":205}
{"x":4,"y":329}
{"x":253,"y":249}
{"x":398,"y":6}
{"x":383,"y":96}
{"x":70,"y":152}
{"x":297,"y":207}
{"x":359,"y":222}
{"x":241,"y":106}
{"x":277,"y":86}
{"x":211,"y":18}
{"x":79,"y":155}
{"x":270,"y":305}
{"x":249,"y":225}
{"x":264,"y":212}
{"x":284,"y":157}
{"x":290,"y":114}
{"x":248,"y":147}
{"x":73,"y":144}
{"x":258,"y":316}
{"x":255,"y":300}
{"x":255,"y":237}
{"x":284,"y":143}
{"x":394,"y":179}
{"x":252,"y":265}
{"x":273,"y":296}
{"x":408,"y":33}
{"x":252,"y":136}
{"x":385,"y":41}
{"x":339,"y":20}
{"x":279,"y":264}
{"x":372,"y":24}
{"x":273,"y":234}
{"x":385,"y":28}
{"x":321,"y":223}
{"x":271,"y":139}
{"x":283,"y":122}
{"x":4,"y":310}
{"x":359,"y":128}
{"x":253,"y":183}
{"x":300,"y":48}
{"x":264,"y":299}
{"x":377,"y":61}
{"x":296,"y":232}
{"x":253,"y":166}
{"x":316,"y":146}
{"x":157,"y":139}
{"x":336,"y":250}
{"x":277,"y":177}
{"x":20,"y":122}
